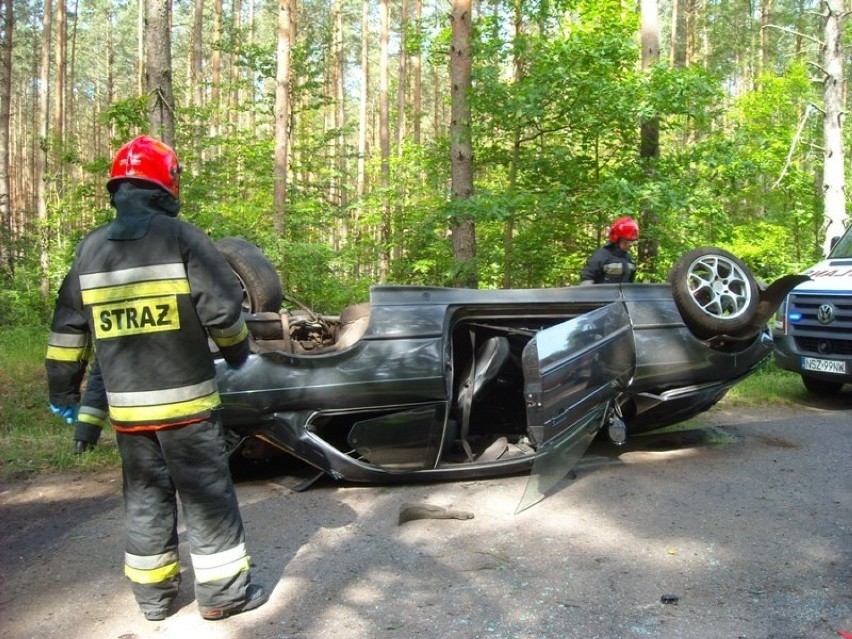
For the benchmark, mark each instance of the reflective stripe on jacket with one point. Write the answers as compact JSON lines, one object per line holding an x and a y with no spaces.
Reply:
{"x":609,"y":265}
{"x":93,"y":416}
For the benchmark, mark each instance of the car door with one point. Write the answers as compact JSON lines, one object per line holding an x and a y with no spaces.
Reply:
{"x":573,"y":372}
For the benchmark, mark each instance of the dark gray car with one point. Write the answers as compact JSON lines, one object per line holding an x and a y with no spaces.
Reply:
{"x":427,"y":384}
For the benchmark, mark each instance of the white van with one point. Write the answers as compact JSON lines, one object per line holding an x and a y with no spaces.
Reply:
{"x":812,"y":334}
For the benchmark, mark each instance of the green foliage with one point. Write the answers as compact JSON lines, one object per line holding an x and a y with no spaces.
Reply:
{"x":231,"y":194}
{"x":32,"y":439}
{"x":763,"y":247}
{"x":128,"y":117}
{"x":769,"y":385}
{"x":21,"y":301}
{"x":555,"y":158}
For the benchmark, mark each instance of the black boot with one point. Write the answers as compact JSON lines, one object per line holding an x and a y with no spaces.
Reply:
{"x":81,"y":446}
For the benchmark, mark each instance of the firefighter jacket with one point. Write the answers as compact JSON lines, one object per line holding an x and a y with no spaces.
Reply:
{"x":146,"y":290}
{"x":608,"y":265}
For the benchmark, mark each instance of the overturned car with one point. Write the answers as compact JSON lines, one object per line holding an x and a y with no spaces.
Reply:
{"x":429,"y":384}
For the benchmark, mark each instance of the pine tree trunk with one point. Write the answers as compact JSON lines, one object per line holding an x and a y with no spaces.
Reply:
{"x":251,"y":90}
{"x":72,"y":122}
{"x":675,"y":58}
{"x":765,"y":20}
{"x":216,"y":69}
{"x":834,"y":181}
{"x":384,"y":140}
{"x":509,"y":225}
{"x":649,"y":149}
{"x":234,"y":94}
{"x":398,"y":219}
{"x":364,"y":98}
{"x":461,"y":148}
{"x":158,"y":70}
{"x":402,"y":80}
{"x":40,"y":167}
{"x":689,"y":36}
{"x":282,"y":115}
{"x":7,"y":16}
{"x":140,"y":46}
{"x":417,"y":71}
{"x":110,"y":79}
{"x":60,"y":61}
{"x":196,"y":70}
{"x":340,"y":118}
{"x":361,"y":177}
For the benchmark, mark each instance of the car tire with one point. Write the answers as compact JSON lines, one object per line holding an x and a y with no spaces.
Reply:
{"x":821,"y":387}
{"x":354,"y":312}
{"x":259,"y":280}
{"x":714,"y":291}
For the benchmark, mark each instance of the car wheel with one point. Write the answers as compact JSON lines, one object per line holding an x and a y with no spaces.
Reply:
{"x":258,"y":279}
{"x":714,"y":291}
{"x":821,"y":387}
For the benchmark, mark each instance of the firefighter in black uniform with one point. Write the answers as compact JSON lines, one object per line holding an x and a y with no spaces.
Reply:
{"x":147,"y":290}
{"x":612,"y":263}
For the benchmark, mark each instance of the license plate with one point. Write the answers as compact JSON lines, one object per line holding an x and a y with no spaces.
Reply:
{"x":824,"y":365}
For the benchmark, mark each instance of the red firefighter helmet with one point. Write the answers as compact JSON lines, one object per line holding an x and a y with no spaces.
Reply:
{"x":146,"y":159}
{"x":624,"y":228}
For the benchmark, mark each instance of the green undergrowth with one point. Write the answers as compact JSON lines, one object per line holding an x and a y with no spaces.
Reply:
{"x":32,"y":439}
{"x":768,"y":385}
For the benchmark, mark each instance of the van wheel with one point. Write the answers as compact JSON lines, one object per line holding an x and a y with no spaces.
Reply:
{"x":258,"y":278}
{"x":714,"y":291}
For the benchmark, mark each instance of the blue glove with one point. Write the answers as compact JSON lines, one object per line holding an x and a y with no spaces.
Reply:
{"x":68,"y":413}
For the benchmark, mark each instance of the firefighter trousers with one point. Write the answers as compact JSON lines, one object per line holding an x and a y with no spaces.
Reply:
{"x":187,"y":465}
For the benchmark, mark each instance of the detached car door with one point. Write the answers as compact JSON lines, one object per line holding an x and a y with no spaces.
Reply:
{"x":573,"y":372}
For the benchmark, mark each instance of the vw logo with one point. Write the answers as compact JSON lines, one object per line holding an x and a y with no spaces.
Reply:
{"x":825,"y":314}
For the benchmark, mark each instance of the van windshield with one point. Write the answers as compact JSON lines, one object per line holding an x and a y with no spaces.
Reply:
{"x":843,"y":248}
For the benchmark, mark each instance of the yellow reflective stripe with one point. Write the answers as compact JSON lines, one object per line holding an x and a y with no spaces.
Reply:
{"x":61,"y":354}
{"x":223,"y":339}
{"x":220,"y":565}
{"x":151,"y":569}
{"x":132,"y":291}
{"x":130,"y":414}
{"x":68,"y":347}
{"x":93,"y":416}
{"x":152,"y":576}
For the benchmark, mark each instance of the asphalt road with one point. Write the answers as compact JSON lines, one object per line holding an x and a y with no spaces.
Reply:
{"x":742,"y":522}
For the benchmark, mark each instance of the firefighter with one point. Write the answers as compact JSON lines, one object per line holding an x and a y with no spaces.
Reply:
{"x":146,"y":291}
{"x":612,"y":262}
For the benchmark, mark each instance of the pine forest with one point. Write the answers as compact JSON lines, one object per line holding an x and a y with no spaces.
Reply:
{"x":471,"y":143}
